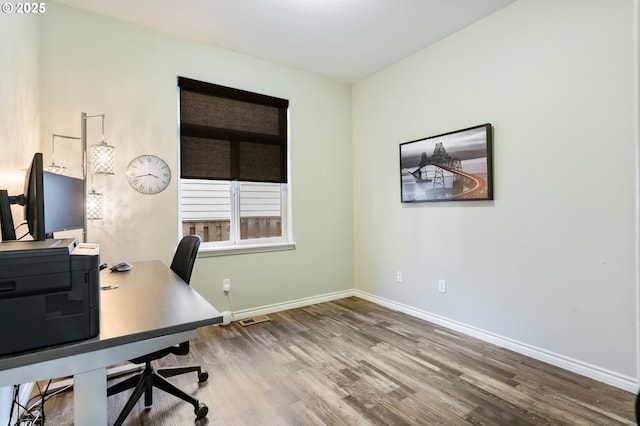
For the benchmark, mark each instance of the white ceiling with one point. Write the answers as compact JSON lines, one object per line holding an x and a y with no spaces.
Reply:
{"x":345,"y":40}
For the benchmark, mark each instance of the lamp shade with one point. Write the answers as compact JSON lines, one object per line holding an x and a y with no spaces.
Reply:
{"x":103,"y":159}
{"x":94,"y":205}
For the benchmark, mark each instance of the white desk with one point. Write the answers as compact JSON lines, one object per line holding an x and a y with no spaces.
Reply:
{"x":151,"y":309}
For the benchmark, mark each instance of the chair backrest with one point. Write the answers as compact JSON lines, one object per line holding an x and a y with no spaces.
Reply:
{"x":185,"y":257}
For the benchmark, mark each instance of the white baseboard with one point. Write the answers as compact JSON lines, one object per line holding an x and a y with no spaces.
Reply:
{"x":278,"y":307}
{"x":612,"y":378}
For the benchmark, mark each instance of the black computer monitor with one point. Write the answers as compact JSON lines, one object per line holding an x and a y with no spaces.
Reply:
{"x":52,"y":202}
{"x":63,"y":203}
{"x":33,"y":198}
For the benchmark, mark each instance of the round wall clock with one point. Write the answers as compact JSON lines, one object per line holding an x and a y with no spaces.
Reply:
{"x":148,"y":174}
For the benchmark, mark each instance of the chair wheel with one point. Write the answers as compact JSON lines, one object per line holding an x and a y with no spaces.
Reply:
{"x":201,"y":411}
{"x":203,"y":376}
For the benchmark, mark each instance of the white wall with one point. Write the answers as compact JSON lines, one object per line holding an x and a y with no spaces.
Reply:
{"x":99,"y":65}
{"x":551,"y":262}
{"x":19,"y":132}
{"x":19,"y":122}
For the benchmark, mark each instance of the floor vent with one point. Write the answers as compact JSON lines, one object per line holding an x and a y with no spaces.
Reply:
{"x":254,"y":320}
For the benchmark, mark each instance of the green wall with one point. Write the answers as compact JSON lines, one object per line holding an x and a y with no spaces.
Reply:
{"x":98,"y":65}
{"x":550,"y":264}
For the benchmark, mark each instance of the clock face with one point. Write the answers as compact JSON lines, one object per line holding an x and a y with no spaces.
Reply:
{"x":148,"y":174}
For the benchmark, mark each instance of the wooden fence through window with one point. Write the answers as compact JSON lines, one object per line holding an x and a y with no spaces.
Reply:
{"x":218,"y":230}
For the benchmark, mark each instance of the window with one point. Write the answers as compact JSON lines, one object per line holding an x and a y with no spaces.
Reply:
{"x":233,"y":166}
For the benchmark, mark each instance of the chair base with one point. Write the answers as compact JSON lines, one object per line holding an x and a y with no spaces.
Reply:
{"x":150,"y":378}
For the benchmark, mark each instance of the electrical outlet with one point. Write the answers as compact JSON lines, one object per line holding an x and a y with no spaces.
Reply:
{"x":226,"y":285}
{"x":398,"y":276}
{"x":442,"y":286}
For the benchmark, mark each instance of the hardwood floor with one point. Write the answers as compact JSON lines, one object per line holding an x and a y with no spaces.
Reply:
{"x":351,"y":362}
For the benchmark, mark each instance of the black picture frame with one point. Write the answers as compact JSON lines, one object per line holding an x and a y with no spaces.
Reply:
{"x":453,"y":166}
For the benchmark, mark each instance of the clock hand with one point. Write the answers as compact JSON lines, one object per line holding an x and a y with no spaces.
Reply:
{"x":148,"y":174}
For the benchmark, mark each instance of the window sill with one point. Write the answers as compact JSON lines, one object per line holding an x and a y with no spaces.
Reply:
{"x":245,"y":249}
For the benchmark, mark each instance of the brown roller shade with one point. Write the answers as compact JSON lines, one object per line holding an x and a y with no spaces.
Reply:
{"x":231,"y":134}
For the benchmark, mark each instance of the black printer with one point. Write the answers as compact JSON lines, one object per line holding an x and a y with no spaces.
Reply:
{"x":49,"y":293}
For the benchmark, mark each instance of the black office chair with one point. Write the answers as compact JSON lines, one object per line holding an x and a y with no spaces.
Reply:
{"x":182,"y":265}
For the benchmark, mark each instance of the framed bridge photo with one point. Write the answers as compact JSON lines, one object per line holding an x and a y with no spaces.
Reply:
{"x":454,"y":166}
